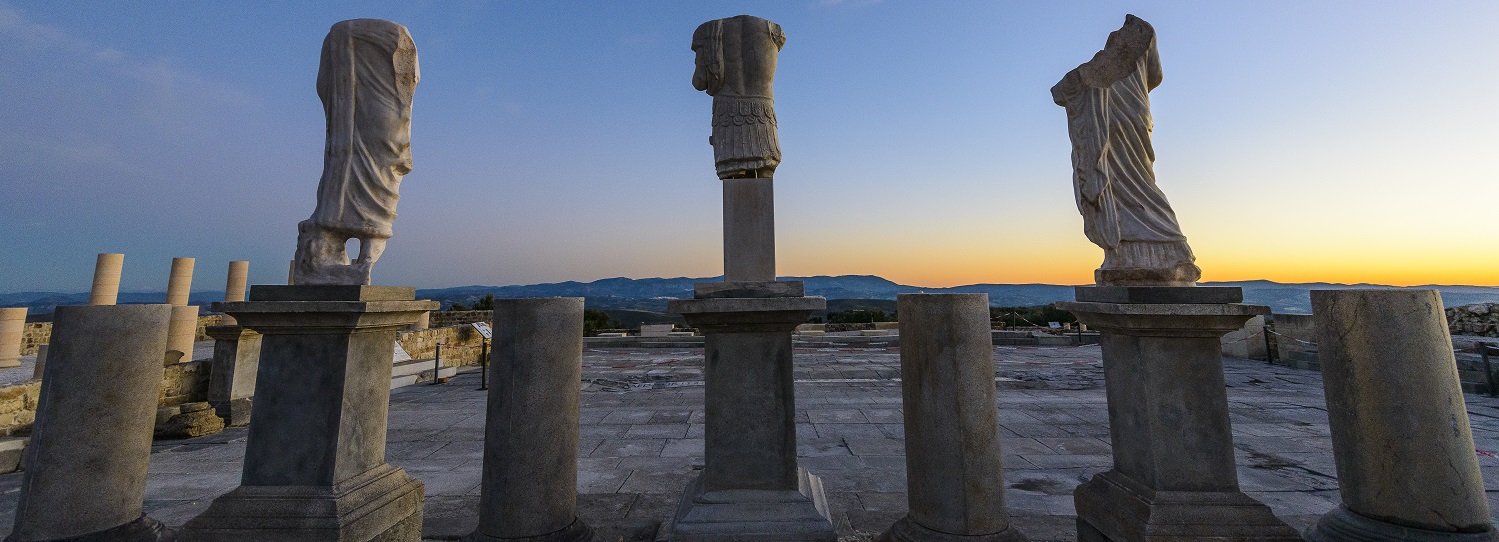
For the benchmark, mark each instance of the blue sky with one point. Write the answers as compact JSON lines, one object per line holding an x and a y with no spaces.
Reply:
{"x":1298,"y":141}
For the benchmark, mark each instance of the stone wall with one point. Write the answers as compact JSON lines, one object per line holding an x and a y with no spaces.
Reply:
{"x":18,"y":407}
{"x":1247,"y":342}
{"x":1295,"y":340}
{"x":1480,"y":319}
{"x":461,"y":345}
{"x":457,"y":318}
{"x":35,"y":334}
{"x":185,"y":383}
{"x":38,"y":333}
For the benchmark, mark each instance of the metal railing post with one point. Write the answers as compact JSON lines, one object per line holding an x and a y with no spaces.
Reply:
{"x":437,"y":364}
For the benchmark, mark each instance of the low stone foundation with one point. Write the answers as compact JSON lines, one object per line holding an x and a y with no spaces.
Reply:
{"x":1480,"y":319}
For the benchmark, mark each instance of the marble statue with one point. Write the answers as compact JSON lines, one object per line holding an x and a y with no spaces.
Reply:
{"x":1108,"y":119}
{"x":366,"y":79}
{"x":736,"y":64}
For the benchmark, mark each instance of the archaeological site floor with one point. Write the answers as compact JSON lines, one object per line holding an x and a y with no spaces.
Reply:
{"x":642,"y":425}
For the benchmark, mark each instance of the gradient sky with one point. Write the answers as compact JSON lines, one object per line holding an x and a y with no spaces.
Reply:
{"x":1298,"y":141}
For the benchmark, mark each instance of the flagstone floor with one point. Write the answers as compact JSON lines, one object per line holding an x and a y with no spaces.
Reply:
{"x":641,"y":440}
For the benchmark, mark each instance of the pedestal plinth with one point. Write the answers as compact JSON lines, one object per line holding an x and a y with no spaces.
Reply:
{"x":751,"y":488}
{"x":315,"y":465}
{"x":1174,"y":476}
{"x":231,"y":381}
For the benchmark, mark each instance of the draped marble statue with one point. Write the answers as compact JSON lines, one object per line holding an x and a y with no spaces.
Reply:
{"x":736,"y":64}
{"x":366,"y":80}
{"x":1108,"y":119}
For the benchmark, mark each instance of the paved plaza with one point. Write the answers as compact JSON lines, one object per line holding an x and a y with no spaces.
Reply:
{"x":641,"y":439}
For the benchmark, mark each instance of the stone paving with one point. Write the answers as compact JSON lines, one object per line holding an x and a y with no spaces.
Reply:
{"x":641,"y":439}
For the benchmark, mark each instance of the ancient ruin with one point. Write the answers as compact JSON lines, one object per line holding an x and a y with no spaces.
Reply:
{"x":751,"y":487}
{"x":1113,"y":177}
{"x":366,"y":79}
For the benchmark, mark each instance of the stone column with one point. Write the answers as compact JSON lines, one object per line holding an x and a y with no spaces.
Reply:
{"x":180,"y":282}
{"x":751,"y":487}
{"x":106,"y":279}
{"x":234,"y":287}
{"x":184,"y":327}
{"x":12,"y":328}
{"x":1400,"y":433}
{"x":531,"y":426}
{"x":315,"y":465}
{"x":749,"y":230}
{"x":1174,"y":476}
{"x":955,"y":478}
{"x":85,"y":476}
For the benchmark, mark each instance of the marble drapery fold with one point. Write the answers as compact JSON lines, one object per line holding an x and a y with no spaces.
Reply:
{"x":1109,"y":123}
{"x":366,"y":80}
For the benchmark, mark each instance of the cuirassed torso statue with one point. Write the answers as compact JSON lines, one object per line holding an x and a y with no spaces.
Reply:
{"x":736,"y":64}
{"x":1113,"y":176}
{"x":366,"y":79}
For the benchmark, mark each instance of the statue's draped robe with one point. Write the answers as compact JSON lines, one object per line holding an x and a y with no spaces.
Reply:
{"x":1113,"y":175}
{"x":366,"y":80}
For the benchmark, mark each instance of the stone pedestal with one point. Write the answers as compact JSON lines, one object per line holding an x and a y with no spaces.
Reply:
{"x":750,"y":488}
{"x":1174,"y":476}
{"x":955,"y":478}
{"x":181,"y":332}
{"x":315,"y":465}
{"x":106,"y":287}
{"x":85,"y":476}
{"x":1400,"y":433}
{"x":231,"y":380}
{"x":531,"y":426}
{"x":12,"y":327}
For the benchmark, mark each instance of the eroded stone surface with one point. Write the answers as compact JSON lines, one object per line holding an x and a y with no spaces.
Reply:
{"x":736,"y":65}
{"x":366,"y":79}
{"x":1113,"y":177}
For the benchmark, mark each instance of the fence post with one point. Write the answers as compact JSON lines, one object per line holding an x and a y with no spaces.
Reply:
{"x":437,"y":364}
{"x":1488,"y":372}
{"x":483,"y":364}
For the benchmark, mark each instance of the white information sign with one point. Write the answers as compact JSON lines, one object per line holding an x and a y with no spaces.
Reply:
{"x":483,"y":328}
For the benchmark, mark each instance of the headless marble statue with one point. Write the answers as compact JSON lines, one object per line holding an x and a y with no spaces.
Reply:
{"x":366,"y":79}
{"x":1108,"y":119}
{"x":736,"y":64}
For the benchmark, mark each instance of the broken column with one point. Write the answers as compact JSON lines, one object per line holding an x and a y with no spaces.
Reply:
{"x":12,"y":328}
{"x":183,"y":330}
{"x":85,"y":469}
{"x":106,"y":287}
{"x":1400,"y":433}
{"x":954,"y":475}
{"x":236,"y":356}
{"x":234,"y":286}
{"x":751,"y":487}
{"x":531,"y":428}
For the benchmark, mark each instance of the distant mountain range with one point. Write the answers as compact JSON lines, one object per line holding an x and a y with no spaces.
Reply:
{"x":651,"y":294}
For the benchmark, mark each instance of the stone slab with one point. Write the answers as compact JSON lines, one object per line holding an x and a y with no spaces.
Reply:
{"x":745,"y":304}
{"x":1160,"y":294}
{"x":341,"y":292}
{"x":737,"y":515}
{"x":784,"y":288}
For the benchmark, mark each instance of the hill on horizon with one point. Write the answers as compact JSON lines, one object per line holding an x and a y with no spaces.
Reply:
{"x":651,"y":294}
